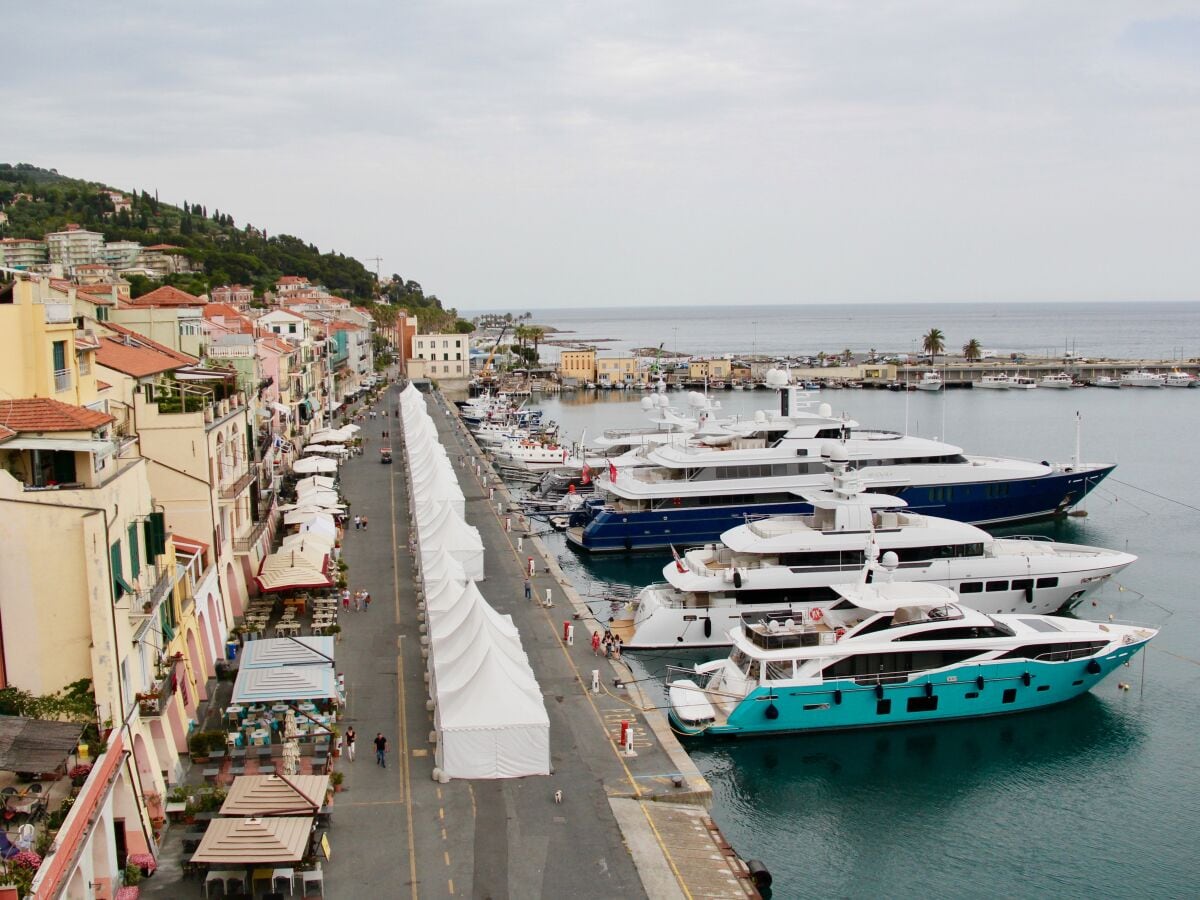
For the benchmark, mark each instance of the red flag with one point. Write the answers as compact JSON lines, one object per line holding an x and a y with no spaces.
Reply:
{"x":612,"y":472}
{"x":587,"y":474}
{"x":679,"y":564}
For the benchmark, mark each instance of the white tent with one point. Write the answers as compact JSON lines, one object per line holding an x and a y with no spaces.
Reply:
{"x":441,"y":566}
{"x":470,"y":603}
{"x":318,"y":482}
{"x":322,"y":525}
{"x":462,"y":541}
{"x":490,"y":727}
{"x":314,"y":464}
{"x":456,"y":649}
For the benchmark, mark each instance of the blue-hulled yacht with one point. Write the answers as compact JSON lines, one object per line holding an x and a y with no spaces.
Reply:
{"x":890,"y":653}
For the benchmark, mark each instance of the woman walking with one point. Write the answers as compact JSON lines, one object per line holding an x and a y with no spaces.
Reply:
{"x":350,"y":736}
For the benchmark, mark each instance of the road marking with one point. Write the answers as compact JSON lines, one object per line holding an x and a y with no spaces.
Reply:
{"x":450,"y":884}
{"x":446,"y":856}
{"x":441,"y":814}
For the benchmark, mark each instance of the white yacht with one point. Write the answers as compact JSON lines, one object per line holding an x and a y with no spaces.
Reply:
{"x":1143,"y":378}
{"x":1107,"y":381}
{"x":998,"y":381}
{"x":1061,"y":381}
{"x":1180,"y":380}
{"x":930,"y":381}
{"x":1022,"y":383}
{"x":783,"y":566}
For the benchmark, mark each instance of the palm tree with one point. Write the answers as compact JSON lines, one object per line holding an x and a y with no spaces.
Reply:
{"x":934,"y":343}
{"x":972,"y":350}
{"x":521,"y":333}
{"x":536,"y":333}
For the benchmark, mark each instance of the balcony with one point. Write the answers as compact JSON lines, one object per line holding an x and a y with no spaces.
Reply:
{"x":144,"y":603}
{"x":250,"y":541}
{"x":62,"y":380}
{"x":232,"y":491}
{"x":154,"y":701}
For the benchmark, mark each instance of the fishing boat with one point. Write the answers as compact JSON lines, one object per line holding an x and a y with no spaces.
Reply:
{"x":998,"y":381}
{"x":785,"y":566}
{"x":892,"y":653}
{"x":1180,"y":380}
{"x":930,"y":381}
{"x":1107,"y":381}
{"x":1142,"y":378}
{"x":1060,"y":381}
{"x":686,"y":495}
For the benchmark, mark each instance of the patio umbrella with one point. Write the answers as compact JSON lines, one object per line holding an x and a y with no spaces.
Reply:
{"x":255,"y":842}
{"x":291,"y":757}
{"x":325,"y":448}
{"x":321,"y":482}
{"x":314,"y":464}
{"x":289,"y":725}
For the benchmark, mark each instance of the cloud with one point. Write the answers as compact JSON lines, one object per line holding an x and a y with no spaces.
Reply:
{"x":534,"y":154}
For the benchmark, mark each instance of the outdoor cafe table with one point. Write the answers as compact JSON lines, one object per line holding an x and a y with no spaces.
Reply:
{"x":260,"y":737}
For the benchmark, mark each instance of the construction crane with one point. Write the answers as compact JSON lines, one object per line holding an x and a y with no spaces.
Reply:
{"x":486,"y":371}
{"x":377,"y":260}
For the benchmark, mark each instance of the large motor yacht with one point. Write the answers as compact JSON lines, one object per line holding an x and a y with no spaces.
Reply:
{"x":785,"y":566}
{"x":891,"y":654}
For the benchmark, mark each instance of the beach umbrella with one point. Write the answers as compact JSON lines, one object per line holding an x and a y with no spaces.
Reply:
{"x":314,"y":464}
{"x":291,"y":757}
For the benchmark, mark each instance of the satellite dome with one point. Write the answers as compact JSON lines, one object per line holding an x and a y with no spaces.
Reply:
{"x":825,"y":410}
{"x":647,"y":403}
{"x":777,"y":378}
{"x":890,"y":560}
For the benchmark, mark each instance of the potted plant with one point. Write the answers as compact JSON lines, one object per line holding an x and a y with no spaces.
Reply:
{"x":79,"y":774}
{"x":145,"y":864}
{"x":335,"y":733}
{"x":199,"y":746}
{"x":335,"y":630}
{"x":336,"y":780}
{"x":133,"y":874}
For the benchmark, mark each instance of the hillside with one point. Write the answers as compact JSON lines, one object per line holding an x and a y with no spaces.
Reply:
{"x":225,"y":251}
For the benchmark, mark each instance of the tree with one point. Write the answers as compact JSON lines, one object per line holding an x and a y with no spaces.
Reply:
{"x":847,"y":356}
{"x":972,"y":350}
{"x":934,"y":343}
{"x":536,"y":334}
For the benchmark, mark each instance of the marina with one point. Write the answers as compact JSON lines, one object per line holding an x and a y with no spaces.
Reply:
{"x":1116,"y":519}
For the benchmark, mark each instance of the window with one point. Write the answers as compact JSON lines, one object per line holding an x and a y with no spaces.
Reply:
{"x":970,"y":587}
{"x":997,"y":586}
{"x":1043,"y":687}
{"x":135,"y":557}
{"x":1021,"y":584}
{"x":883,"y":707}
{"x":1048,"y":582}
{"x":1010,"y":695}
{"x":922,"y":704}
{"x":292,"y":328}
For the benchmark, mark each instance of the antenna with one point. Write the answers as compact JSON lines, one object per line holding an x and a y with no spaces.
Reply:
{"x":377,"y":260}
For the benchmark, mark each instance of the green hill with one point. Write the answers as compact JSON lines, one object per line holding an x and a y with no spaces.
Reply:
{"x":224,"y":251}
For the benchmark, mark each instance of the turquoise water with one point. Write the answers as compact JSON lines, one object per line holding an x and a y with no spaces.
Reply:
{"x":1096,"y":798}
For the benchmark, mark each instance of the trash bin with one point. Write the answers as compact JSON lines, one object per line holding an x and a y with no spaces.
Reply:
{"x":231,"y":650}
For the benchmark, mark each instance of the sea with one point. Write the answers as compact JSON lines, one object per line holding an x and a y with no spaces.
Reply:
{"x":1133,"y":330}
{"x":1099,"y":797}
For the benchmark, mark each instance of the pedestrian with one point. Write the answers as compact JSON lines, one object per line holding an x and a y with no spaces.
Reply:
{"x":381,"y":749}
{"x":608,"y":645}
{"x":528,"y":589}
{"x":346,"y":599}
{"x":364,"y":523}
{"x":366,"y":600}
{"x":350,"y":736}
{"x":595,"y":643}
{"x":357,"y":522}
{"x":358,"y":601}
{"x":617,"y":647}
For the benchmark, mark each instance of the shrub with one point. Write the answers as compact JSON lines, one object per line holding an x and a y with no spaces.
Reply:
{"x":27,"y":859}
{"x":144,"y":862}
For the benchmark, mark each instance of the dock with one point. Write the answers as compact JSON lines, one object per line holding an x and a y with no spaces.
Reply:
{"x":627,"y":825}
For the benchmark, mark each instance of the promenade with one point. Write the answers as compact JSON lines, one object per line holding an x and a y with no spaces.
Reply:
{"x":399,"y":833}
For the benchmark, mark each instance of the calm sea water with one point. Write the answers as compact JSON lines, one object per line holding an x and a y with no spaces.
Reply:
{"x":1097,"y":798}
{"x":1118,"y":330}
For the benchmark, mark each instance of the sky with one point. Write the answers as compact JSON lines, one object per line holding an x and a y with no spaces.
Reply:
{"x":534,"y":155}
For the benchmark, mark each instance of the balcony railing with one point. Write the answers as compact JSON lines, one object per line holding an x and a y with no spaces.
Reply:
{"x":231,"y":491}
{"x":154,"y":701}
{"x":250,"y":541}
{"x":62,"y":380}
{"x":144,"y":603}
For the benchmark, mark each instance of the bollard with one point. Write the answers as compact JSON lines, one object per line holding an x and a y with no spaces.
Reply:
{"x":624,"y":737}
{"x":570,"y":635}
{"x":520,"y":544}
{"x":529,"y":565}
{"x":566,"y":630}
{"x":595,"y":681}
{"x":549,"y":602}
{"x":499,"y":507}
{"x":492,"y":495}
{"x":507,"y":524}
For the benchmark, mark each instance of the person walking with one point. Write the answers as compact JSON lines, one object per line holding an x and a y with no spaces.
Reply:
{"x":528,"y":589}
{"x":381,"y":749}
{"x":364,"y":523}
{"x":608,"y":645}
{"x":616,"y":646}
{"x":358,"y":601}
{"x":350,"y":736}
{"x":366,"y":600}
{"x":595,"y":643}
{"x":346,"y":599}
{"x":357,"y":522}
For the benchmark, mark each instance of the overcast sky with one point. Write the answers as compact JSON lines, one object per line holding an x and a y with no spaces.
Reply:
{"x":548,"y":154}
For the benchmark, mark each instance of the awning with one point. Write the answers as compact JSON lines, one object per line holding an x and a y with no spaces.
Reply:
{"x":282,"y":683}
{"x":36,"y":745}
{"x":74,"y":445}
{"x":270,"y":795}
{"x":188,"y":546}
{"x":270,"y":653}
{"x":248,"y":842}
{"x":314,"y":464}
{"x":280,"y":408}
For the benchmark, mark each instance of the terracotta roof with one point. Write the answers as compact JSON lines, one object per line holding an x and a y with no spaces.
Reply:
{"x":102,"y":385}
{"x":135,"y":360}
{"x":161,"y":247}
{"x":6,"y":433}
{"x":167,"y":296}
{"x":146,"y":342}
{"x":36,"y":414}
{"x":272,"y":342}
{"x":224,"y":310}
{"x":292,"y":279}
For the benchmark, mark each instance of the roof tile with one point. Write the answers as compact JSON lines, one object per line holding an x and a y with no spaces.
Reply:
{"x":36,"y":414}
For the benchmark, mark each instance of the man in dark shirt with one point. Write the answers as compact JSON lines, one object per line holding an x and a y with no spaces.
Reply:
{"x":381,"y":749}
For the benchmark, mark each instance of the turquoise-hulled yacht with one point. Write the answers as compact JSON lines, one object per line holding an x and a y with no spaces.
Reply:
{"x":892,"y":653}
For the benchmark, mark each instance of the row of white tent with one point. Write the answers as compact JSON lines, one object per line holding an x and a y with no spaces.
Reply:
{"x":489,"y":713}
